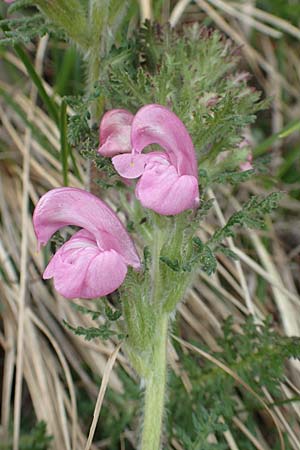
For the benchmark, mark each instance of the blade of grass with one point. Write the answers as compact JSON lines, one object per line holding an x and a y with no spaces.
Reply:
{"x":290,"y":128}
{"x":289,"y":160}
{"x":103,"y":387}
{"x":23,"y":285}
{"x":9,"y":100}
{"x":74,"y":163}
{"x":64,"y":146}
{"x":50,"y":105}
{"x":64,"y":67}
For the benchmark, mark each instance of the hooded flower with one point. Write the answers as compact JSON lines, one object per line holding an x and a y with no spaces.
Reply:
{"x":93,"y":262}
{"x":168,"y":181}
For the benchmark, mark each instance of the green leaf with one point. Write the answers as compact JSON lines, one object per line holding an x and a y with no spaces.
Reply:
{"x":112,"y":315}
{"x":227,"y":252}
{"x":102,"y":332}
{"x":94,"y":314}
{"x":204,"y":256}
{"x":22,"y":29}
{"x":251,"y":215}
{"x":232,"y":177}
{"x":172,"y":264}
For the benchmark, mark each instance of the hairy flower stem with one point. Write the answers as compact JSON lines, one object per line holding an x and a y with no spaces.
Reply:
{"x":155,"y":390}
{"x":158,"y":242}
{"x":155,"y":378}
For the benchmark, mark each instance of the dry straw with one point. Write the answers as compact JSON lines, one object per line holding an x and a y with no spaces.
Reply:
{"x":48,"y":355}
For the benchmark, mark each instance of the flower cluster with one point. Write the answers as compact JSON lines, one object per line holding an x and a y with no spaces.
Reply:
{"x":93,"y":262}
{"x":168,"y":181}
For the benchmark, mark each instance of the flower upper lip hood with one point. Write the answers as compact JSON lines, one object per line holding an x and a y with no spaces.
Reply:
{"x":156,"y":124}
{"x":94,"y":261}
{"x":169,"y":179}
{"x":115,"y":131}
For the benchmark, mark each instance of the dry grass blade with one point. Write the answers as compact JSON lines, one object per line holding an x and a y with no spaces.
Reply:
{"x":247,"y":433}
{"x":230,"y":440}
{"x":238,"y":379}
{"x":103,"y":387}
{"x":268,"y":276}
{"x":24,"y":253}
{"x":63,"y":362}
{"x":248,"y":20}
{"x":254,"y":58}
{"x":145,"y":10}
{"x":52,"y":355}
{"x":178,"y":11}
{"x":241,"y":275}
{"x":273,"y":20}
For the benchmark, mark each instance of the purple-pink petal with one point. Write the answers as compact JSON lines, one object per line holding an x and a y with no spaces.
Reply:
{"x":130,"y":166}
{"x":155,"y":124}
{"x":133,"y":165}
{"x":161,"y":189}
{"x":247,"y":165}
{"x":80,"y":269}
{"x":70,"y":206}
{"x":115,"y":129}
{"x":169,"y":179}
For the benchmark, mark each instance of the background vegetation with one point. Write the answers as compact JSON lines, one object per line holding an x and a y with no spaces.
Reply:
{"x":234,"y":378}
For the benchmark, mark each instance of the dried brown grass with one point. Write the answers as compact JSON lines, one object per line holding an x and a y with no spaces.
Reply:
{"x":38,"y":350}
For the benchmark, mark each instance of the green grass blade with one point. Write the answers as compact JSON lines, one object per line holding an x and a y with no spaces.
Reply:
{"x":289,"y":160}
{"x":50,"y":105}
{"x":65,"y":67}
{"x":74,"y":163}
{"x":286,"y":131}
{"x":64,"y":146}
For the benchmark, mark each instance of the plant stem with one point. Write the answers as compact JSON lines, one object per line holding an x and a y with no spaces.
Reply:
{"x":155,"y":390}
{"x":158,"y":241}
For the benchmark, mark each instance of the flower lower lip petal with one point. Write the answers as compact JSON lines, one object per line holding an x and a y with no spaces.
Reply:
{"x":165,"y":192}
{"x":85,"y":271}
{"x":129,"y":165}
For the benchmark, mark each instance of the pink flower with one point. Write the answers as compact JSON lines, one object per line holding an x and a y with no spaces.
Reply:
{"x":247,"y":165}
{"x":93,"y":262}
{"x":9,"y":1}
{"x":168,"y":180}
{"x":115,"y":132}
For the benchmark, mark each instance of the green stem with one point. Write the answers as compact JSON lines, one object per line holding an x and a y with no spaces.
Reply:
{"x":158,"y":241}
{"x":155,"y":390}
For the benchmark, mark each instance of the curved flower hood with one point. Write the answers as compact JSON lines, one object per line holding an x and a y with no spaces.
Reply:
{"x":115,"y":128}
{"x":94,"y":261}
